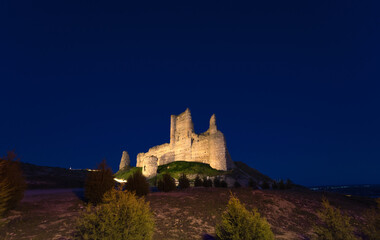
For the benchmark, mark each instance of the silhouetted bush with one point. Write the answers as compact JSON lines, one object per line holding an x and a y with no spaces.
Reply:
{"x":265,"y":185}
{"x":123,"y":216}
{"x":207,"y":182}
{"x":237,"y":184}
{"x":289,"y":184}
{"x":274,"y":185}
{"x":98,"y":182}
{"x":333,"y":226}
{"x":240,"y":224}
{"x":252,"y":183}
{"x":281,"y":184}
{"x":371,"y":228}
{"x":198,"y":182}
{"x":137,"y":183}
{"x":12,"y":182}
{"x":217,"y":182}
{"x":223,"y":184}
{"x":166,"y":184}
{"x":183,"y":181}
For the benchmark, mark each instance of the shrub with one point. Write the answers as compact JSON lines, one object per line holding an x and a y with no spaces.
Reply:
{"x":265,"y":185}
{"x":289,"y":184}
{"x":223,"y":184}
{"x":207,"y":182}
{"x":123,"y":216}
{"x":237,"y":184}
{"x":166,"y":184}
{"x":281,"y":184}
{"x":217,"y":182}
{"x":183,"y":182}
{"x":372,"y":227}
{"x":252,"y":183}
{"x":98,"y":182}
{"x":137,"y":183}
{"x":334,"y":226}
{"x":198,"y":182}
{"x":240,"y":224}
{"x":275,"y":185}
{"x":12,"y":182}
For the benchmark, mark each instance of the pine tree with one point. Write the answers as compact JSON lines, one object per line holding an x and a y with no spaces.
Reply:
{"x":198,"y":182}
{"x":166,"y":184}
{"x":183,"y":181}
{"x":137,"y":183}
{"x":98,"y":182}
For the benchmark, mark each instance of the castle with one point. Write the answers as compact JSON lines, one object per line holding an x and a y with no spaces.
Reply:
{"x":185,"y":145}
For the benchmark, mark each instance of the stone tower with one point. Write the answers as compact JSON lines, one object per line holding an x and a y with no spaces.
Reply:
{"x":125,"y":161}
{"x":149,"y":168}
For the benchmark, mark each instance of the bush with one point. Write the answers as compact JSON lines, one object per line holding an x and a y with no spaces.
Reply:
{"x":240,"y":224}
{"x":166,"y":184}
{"x":217,"y":182}
{"x":237,"y":184}
{"x":334,"y":226}
{"x":252,"y":183}
{"x":372,"y":227}
{"x":98,"y":182}
{"x":275,"y":185}
{"x":183,"y":182}
{"x":123,"y":216}
{"x":223,"y":184}
{"x":207,"y":182}
{"x":289,"y":184}
{"x":198,"y":182}
{"x":12,"y":182}
{"x":265,"y":185}
{"x":281,"y":185}
{"x":137,"y":183}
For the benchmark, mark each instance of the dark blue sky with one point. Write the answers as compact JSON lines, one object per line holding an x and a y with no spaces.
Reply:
{"x":294,"y":84}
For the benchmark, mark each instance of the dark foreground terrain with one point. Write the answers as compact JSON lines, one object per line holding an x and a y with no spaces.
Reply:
{"x":188,"y":214}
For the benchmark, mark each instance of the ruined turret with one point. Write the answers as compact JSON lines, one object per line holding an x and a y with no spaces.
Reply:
{"x":125,"y":161}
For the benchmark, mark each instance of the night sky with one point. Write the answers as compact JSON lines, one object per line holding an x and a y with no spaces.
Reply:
{"x":294,"y":84}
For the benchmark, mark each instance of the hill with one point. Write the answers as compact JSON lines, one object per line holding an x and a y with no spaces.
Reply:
{"x":52,"y":177}
{"x":241,"y":173}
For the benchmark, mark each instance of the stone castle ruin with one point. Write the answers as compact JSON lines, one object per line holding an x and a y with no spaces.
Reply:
{"x":185,"y":145}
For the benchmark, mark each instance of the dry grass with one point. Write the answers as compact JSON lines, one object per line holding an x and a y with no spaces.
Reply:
{"x":187,"y":214}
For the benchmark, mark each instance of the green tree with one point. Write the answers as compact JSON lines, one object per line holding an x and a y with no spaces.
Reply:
{"x":198,"y":182}
{"x":183,"y":181}
{"x":166,"y":184}
{"x":334,"y":225}
{"x":240,"y":224}
{"x":371,"y":229}
{"x":138,"y":184}
{"x":98,"y":182}
{"x":123,"y":216}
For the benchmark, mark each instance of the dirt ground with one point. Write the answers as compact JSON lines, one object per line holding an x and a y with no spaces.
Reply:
{"x":188,"y":214}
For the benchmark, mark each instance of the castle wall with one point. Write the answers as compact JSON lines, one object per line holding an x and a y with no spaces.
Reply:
{"x":200,"y":148}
